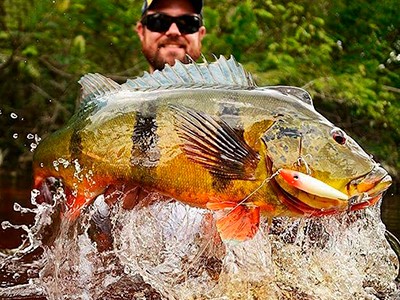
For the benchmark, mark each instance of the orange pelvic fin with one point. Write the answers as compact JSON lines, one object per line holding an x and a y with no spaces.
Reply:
{"x":237,"y":222}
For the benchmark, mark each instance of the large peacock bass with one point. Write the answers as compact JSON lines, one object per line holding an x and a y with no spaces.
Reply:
{"x":206,"y":135}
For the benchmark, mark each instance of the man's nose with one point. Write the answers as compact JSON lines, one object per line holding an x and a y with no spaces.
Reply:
{"x":173,"y":30}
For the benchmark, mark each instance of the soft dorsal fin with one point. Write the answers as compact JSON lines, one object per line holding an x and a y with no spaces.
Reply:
{"x":296,"y":92}
{"x":96,"y":85}
{"x":222,"y":72}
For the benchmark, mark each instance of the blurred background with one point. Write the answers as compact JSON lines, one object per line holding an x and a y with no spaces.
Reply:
{"x":346,"y":54}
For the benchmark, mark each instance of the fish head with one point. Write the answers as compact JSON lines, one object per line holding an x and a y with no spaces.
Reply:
{"x":338,"y":174}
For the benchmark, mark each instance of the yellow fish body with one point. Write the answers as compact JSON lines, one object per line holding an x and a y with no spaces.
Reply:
{"x":206,"y":135}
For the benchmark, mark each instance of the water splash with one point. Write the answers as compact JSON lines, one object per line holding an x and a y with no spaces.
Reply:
{"x":162,"y":249}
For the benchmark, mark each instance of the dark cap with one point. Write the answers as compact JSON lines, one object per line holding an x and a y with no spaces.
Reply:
{"x":197,"y":5}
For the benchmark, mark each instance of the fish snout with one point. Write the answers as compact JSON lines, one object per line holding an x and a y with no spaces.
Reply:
{"x":367,"y":190}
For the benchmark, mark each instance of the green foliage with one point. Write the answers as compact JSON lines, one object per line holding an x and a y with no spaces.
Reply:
{"x":346,"y":54}
{"x":45,"y":47}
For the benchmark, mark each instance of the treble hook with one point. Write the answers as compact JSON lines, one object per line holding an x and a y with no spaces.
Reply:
{"x":300,"y":158}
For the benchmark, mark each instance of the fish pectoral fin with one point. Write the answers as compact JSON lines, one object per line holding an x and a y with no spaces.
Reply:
{"x":236,"y":222}
{"x":212,"y":143}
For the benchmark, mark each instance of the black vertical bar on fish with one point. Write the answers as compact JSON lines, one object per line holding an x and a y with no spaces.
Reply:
{"x":145,"y":151}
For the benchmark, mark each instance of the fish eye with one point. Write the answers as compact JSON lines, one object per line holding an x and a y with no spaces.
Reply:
{"x":339,"y":136}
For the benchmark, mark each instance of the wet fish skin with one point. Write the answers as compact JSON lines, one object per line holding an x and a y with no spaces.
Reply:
{"x":206,"y":135}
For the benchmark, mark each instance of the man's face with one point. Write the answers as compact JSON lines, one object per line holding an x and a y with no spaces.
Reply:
{"x":161,"y":48}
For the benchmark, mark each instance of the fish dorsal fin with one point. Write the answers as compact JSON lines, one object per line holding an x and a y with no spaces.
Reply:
{"x":221,"y":72}
{"x":96,"y":85}
{"x":296,"y":92}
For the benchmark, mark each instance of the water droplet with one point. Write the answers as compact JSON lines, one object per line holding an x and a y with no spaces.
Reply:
{"x":64,"y":162}
{"x":17,"y":206}
{"x":15,"y":135}
{"x":5,"y":225}
{"x":34,"y":194}
{"x":13,"y":115}
{"x":37,"y":138}
{"x":30,"y":136}
{"x":339,"y":43}
{"x":33,"y":147}
{"x":55,"y":165}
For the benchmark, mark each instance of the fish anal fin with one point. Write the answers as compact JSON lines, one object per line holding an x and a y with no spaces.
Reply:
{"x":236,"y":222}
{"x":213,"y":144}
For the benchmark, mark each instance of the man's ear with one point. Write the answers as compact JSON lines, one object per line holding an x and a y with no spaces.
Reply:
{"x":139,"y":28}
{"x":202,"y":32}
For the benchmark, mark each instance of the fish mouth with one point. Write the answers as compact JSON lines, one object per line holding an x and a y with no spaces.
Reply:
{"x":363,"y":192}
{"x":367,"y":190}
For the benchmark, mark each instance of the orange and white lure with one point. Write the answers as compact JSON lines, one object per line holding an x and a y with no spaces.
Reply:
{"x":311,"y":185}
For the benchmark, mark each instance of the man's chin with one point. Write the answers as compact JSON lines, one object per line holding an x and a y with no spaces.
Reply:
{"x":171,"y":54}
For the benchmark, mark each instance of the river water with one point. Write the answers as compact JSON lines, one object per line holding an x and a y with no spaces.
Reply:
{"x":169,"y":251}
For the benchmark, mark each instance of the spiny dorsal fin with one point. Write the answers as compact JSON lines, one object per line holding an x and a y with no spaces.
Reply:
{"x":222,"y":72}
{"x":97,"y":85}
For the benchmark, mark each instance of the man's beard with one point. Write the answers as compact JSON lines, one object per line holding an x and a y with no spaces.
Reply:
{"x":158,"y":62}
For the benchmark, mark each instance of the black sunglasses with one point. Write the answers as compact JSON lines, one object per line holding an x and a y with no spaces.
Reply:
{"x":187,"y":24}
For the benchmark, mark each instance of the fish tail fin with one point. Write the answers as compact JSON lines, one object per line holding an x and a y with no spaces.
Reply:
{"x":45,"y":187}
{"x":236,"y":222}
